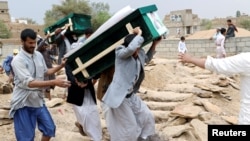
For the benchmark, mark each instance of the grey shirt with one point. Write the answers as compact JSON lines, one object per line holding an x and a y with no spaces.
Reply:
{"x":27,"y":67}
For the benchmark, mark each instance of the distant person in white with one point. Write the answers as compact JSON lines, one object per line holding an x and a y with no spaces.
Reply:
{"x":220,"y":43}
{"x":214,"y":37}
{"x":178,"y":31}
{"x":182,"y":46}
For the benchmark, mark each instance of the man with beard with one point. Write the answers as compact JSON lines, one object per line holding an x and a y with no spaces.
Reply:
{"x":27,"y":103}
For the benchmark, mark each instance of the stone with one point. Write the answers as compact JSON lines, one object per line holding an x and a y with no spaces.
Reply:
{"x":149,"y":68}
{"x":237,"y":87}
{"x":160,"y":116}
{"x":216,"y":120}
{"x":5,"y":121}
{"x":230,"y":119}
{"x":210,"y":88}
{"x":186,"y":111}
{"x":4,"y":114}
{"x":164,"y":106}
{"x":205,"y":95}
{"x":7,"y":88}
{"x":177,"y":121}
{"x":5,"y":107}
{"x":58,"y":92}
{"x":211,"y":107}
{"x":54,"y":102}
{"x":204,"y":116}
{"x":200,"y":129}
{"x":163,"y":96}
{"x":197,"y":102}
{"x":143,"y":91}
{"x":176,"y":131}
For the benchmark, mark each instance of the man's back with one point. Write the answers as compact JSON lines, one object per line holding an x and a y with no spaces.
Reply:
{"x":230,"y":31}
{"x":220,"y":40}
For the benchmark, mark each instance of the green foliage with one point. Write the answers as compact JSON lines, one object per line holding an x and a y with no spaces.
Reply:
{"x":238,"y":13}
{"x":97,"y":11}
{"x":4,"y":32}
{"x":99,"y":19}
{"x":99,"y":7}
{"x":245,"y":24}
{"x":100,"y":14}
{"x":206,"y":24}
{"x":67,"y":6}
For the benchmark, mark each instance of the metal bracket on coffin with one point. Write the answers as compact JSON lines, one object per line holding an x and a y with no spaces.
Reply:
{"x":82,"y":67}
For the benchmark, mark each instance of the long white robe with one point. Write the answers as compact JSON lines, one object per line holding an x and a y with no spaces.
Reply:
{"x":131,"y":120}
{"x":220,"y":49}
{"x":88,"y":116}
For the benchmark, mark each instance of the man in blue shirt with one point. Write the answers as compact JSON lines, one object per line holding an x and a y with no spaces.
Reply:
{"x":27,"y":103}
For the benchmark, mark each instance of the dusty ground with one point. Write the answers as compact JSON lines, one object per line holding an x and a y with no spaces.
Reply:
{"x":167,"y":85}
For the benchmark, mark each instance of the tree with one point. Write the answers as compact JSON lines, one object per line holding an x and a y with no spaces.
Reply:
{"x":67,"y":6}
{"x":100,"y":14}
{"x":238,"y":13}
{"x":97,"y":11}
{"x":245,"y":24}
{"x":4,"y":32}
{"x":206,"y":24}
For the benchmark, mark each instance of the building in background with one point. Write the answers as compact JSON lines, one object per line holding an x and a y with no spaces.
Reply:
{"x":182,"y":22}
{"x":4,"y":11}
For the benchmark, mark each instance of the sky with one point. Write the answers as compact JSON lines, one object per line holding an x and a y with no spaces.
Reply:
{"x":35,"y":9}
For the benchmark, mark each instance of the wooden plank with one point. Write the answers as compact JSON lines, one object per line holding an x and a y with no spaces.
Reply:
{"x":53,"y":33}
{"x":84,"y":71}
{"x":82,"y":67}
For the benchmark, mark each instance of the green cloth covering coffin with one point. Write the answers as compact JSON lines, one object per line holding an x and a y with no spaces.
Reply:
{"x":98,"y":51}
{"x":79,"y":22}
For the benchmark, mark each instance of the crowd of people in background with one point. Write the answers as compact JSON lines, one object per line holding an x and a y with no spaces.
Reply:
{"x":220,"y":37}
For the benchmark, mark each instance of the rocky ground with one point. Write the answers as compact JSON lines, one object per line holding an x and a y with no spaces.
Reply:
{"x":184,"y":100}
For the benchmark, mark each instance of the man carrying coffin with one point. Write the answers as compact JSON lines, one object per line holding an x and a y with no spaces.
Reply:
{"x":128,"y":118}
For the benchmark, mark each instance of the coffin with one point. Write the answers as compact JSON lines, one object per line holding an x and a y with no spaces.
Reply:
{"x":98,"y":51}
{"x":79,"y":22}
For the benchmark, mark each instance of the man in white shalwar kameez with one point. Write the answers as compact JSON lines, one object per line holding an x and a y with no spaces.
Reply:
{"x":82,"y":96}
{"x":128,"y":118}
{"x":220,"y":44}
{"x":182,"y":45}
{"x":237,"y":64}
